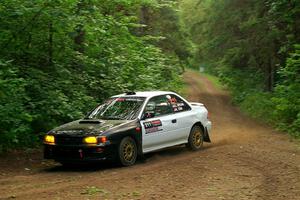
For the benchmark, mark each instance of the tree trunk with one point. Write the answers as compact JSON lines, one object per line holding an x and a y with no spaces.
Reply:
{"x":79,"y":39}
{"x":50,"y":44}
{"x":144,"y":18}
{"x":80,"y":36}
{"x":270,"y":75}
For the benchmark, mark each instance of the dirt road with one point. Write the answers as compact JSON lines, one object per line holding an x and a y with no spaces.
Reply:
{"x":246,"y":160}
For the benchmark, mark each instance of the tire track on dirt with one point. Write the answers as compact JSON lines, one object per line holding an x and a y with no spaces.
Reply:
{"x":246,"y":160}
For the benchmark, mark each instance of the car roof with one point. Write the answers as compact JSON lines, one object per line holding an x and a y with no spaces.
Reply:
{"x":144,"y":94}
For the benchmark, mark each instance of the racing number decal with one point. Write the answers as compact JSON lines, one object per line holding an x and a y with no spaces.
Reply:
{"x":153,"y":126}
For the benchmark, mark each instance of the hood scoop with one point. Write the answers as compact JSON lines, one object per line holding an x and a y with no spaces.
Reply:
{"x":90,"y":122}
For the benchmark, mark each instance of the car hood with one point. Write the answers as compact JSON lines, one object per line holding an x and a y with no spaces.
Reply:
{"x":88,"y":127}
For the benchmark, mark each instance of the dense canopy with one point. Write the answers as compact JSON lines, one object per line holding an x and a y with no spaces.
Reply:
{"x":254,"y":47}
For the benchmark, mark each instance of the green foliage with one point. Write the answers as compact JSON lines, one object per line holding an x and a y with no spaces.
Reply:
{"x":59,"y":58}
{"x":165,"y":27}
{"x":93,"y":190}
{"x":287,"y":95}
{"x":258,"y":105}
{"x":241,"y":82}
{"x":15,"y":120}
{"x":281,"y":107}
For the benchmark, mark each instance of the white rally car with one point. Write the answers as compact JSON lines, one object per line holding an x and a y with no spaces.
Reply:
{"x":128,"y":125}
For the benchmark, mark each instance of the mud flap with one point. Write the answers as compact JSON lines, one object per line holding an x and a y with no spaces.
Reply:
{"x":80,"y":153}
{"x":206,"y":136}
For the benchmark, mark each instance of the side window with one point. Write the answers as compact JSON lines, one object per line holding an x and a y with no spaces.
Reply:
{"x":158,"y":106}
{"x":178,"y":104}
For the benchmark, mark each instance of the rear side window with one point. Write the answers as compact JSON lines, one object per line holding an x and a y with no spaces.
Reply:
{"x":178,"y":104}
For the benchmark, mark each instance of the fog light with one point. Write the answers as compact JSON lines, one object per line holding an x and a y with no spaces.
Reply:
{"x":90,"y":140}
{"x":49,"y":139}
{"x":102,"y":139}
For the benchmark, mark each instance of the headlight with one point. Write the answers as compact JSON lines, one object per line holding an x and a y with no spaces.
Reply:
{"x":49,"y":139}
{"x":90,"y":140}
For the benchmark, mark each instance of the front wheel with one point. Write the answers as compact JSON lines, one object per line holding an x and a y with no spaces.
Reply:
{"x":127,"y":151}
{"x":196,"y":138}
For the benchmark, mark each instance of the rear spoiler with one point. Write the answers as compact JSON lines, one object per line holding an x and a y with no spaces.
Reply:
{"x":196,"y":104}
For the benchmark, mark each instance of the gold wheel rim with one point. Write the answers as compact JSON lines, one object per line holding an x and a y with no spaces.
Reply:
{"x":128,"y":151}
{"x":197,"y":139}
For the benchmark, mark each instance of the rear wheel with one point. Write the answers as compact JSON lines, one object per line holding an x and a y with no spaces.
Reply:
{"x":196,"y":138}
{"x":127,"y":151}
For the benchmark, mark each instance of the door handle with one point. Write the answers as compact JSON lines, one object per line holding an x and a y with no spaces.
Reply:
{"x":174,"y":121}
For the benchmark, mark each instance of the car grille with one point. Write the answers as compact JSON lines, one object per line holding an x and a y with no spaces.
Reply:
{"x":66,"y":153}
{"x":67,"y":140}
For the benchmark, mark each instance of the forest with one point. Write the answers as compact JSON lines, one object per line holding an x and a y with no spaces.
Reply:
{"x":253,"y":46}
{"x":60,"y":58}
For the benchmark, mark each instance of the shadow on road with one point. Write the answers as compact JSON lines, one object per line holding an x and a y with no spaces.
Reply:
{"x":153,"y":157}
{"x":82,"y":167}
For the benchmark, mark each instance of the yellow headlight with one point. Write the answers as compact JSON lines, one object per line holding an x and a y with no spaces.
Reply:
{"x":50,"y":139}
{"x":90,"y":140}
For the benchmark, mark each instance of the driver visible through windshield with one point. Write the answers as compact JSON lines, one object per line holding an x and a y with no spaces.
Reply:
{"x":120,"y":108}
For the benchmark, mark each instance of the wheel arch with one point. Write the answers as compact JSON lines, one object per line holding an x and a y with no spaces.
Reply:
{"x":206,"y":135}
{"x":127,"y":130}
{"x":137,"y":137}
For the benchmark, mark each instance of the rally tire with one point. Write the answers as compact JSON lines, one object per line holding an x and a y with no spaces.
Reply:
{"x":196,"y":138}
{"x":127,"y":151}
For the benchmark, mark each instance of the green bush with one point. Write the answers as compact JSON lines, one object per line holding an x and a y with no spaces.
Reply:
{"x":280,"y":107}
{"x":243,"y":83}
{"x":287,"y":95}
{"x":15,"y":119}
{"x":258,"y":105}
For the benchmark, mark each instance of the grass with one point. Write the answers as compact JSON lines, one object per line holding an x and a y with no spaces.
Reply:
{"x":92,"y":190}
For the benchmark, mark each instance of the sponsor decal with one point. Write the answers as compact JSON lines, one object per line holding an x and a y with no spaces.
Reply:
{"x":133,"y":99}
{"x":180,"y":104}
{"x":120,"y":99}
{"x":177,"y":107}
{"x":153,"y":126}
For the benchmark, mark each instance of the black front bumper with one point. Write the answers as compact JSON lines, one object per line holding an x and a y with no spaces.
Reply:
{"x":62,"y":153}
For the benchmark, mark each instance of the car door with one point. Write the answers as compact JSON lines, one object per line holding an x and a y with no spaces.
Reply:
{"x":183,"y":116}
{"x":157,"y":124}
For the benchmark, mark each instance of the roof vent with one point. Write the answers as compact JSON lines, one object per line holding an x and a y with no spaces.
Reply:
{"x":130,"y":93}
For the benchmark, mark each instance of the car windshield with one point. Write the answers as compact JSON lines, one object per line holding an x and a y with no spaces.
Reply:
{"x":121,"y":108}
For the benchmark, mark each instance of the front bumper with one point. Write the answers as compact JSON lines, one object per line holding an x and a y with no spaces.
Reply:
{"x":62,"y":153}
